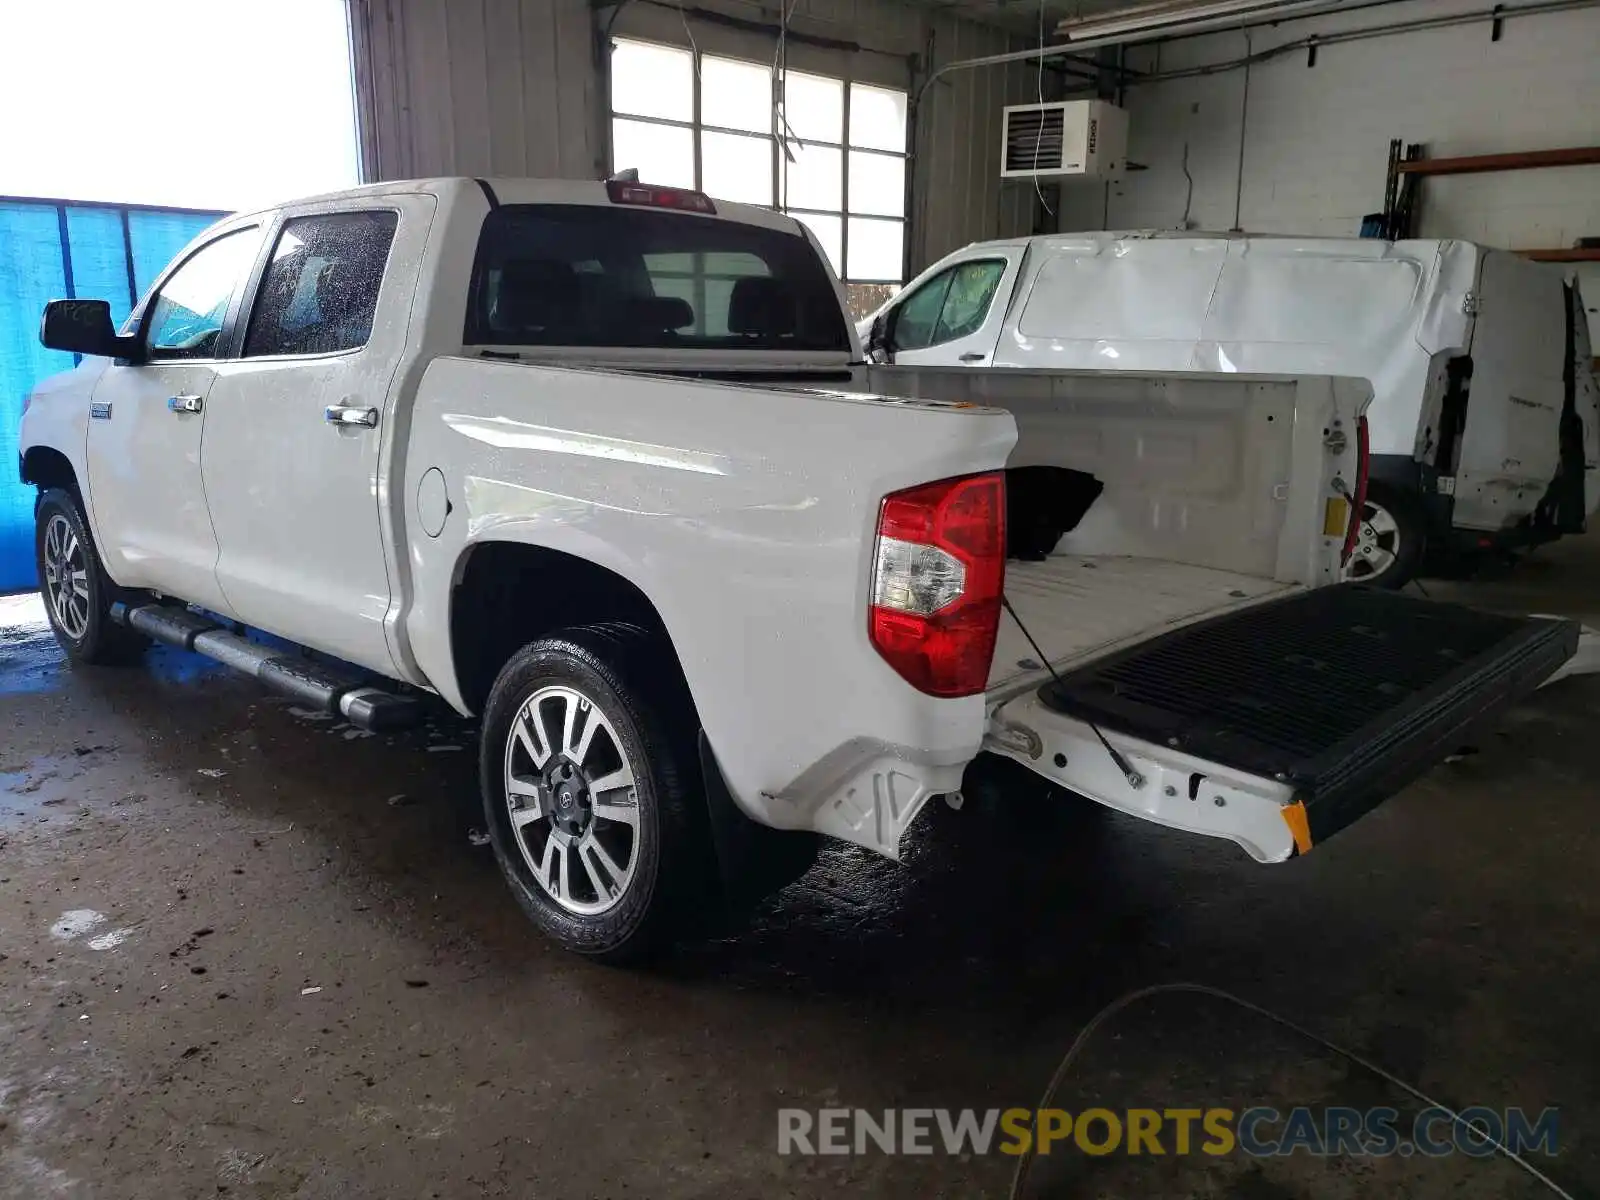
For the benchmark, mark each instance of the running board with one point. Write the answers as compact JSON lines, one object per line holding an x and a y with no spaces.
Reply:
{"x":338,"y":691}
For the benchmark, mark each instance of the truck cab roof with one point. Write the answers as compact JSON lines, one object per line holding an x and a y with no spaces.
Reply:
{"x":510,"y":190}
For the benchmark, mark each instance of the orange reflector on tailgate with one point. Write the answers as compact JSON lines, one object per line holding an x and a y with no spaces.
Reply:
{"x":1336,"y":517}
{"x":1294,"y":816}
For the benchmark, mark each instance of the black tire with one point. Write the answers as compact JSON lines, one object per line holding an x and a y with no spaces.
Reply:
{"x":621,"y":670}
{"x":86,"y":633}
{"x":1406,"y":542}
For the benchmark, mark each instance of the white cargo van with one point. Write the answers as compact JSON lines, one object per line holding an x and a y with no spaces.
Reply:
{"x":1485,"y":422}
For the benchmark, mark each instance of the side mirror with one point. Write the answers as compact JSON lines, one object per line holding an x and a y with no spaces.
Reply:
{"x":880,"y":346}
{"x":84,"y":327}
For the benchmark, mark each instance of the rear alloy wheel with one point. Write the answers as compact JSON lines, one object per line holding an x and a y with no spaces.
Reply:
{"x":571,"y":797}
{"x":1389,"y":540}
{"x":589,"y":788}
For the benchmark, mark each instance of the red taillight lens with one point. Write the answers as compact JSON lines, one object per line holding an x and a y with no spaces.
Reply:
{"x":1363,"y":461}
{"x":938,"y":575}
{"x":650,"y":196}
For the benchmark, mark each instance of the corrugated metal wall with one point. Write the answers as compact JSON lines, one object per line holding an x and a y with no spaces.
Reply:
{"x":958,"y":191}
{"x":513,"y":87}
{"x":475,"y":87}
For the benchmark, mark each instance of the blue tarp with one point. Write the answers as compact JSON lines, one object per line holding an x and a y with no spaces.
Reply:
{"x":48,"y":250}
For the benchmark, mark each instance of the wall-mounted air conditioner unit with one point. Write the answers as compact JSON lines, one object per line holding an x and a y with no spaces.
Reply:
{"x":1068,"y":139}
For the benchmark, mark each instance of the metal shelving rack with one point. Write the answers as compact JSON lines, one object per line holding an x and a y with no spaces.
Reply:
{"x":1407,"y":169}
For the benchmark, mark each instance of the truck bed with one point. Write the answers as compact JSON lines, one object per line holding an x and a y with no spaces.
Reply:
{"x":1078,"y":607}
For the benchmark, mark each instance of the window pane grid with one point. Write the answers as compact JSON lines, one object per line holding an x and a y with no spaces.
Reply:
{"x":670,"y":124}
{"x":812,"y":136}
{"x":800,"y":143}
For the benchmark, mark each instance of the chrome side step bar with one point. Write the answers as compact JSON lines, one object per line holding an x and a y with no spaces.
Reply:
{"x":338,"y":691}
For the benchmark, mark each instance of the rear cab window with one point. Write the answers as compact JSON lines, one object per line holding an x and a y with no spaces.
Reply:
{"x":582,"y":275}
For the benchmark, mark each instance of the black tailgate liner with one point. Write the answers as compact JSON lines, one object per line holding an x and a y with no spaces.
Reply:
{"x":1346,"y":692}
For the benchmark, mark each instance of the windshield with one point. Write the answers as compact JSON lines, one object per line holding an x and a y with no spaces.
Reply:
{"x":579,"y":275}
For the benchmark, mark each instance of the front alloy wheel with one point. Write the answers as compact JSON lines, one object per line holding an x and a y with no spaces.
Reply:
{"x":570,"y":794}
{"x":76,"y":590}
{"x":65,"y":577}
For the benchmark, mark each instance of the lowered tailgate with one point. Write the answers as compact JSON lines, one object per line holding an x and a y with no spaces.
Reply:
{"x":1278,"y":725}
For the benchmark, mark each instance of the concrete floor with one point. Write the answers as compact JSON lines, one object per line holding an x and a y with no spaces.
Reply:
{"x":182,"y":856}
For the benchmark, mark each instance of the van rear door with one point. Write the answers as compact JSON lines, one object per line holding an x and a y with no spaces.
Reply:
{"x":1585,"y":395}
{"x":1511,"y":446}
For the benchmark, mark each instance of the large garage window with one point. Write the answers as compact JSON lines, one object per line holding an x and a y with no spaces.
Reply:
{"x":829,"y":151}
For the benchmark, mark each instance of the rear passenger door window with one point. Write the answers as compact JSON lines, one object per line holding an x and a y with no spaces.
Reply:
{"x":320,"y":289}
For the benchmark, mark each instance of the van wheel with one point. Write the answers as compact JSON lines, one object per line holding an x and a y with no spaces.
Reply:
{"x":77,"y":591}
{"x":1389,"y":541}
{"x":589,"y":790}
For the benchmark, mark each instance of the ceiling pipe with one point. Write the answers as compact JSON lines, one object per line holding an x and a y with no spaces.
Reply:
{"x":1078,"y":46}
{"x":1419,"y":25}
{"x":1295,"y":9}
{"x":1166,"y":15}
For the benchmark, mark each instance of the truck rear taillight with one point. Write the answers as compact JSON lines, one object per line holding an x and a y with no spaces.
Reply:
{"x":649,"y":196}
{"x":1359,"y":503}
{"x":937,"y":581}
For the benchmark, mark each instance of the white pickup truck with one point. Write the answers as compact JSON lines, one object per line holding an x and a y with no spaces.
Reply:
{"x":599,"y":464}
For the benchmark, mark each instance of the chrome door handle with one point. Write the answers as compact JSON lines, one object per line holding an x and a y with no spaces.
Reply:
{"x":182,"y":404}
{"x":346,"y":414}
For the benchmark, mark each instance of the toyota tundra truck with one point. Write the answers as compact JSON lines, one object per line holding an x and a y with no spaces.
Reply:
{"x":599,"y":464}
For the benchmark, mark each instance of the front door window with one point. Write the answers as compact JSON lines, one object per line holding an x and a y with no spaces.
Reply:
{"x":953,"y":304}
{"x":187,"y":314}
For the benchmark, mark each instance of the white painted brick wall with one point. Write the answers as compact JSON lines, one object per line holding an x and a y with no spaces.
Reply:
{"x":1316,"y":138}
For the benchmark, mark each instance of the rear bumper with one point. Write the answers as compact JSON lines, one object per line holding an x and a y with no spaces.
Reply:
{"x":1168,"y":787}
{"x":1445,"y":537}
{"x":1312,"y":709}
{"x":1467,"y":542}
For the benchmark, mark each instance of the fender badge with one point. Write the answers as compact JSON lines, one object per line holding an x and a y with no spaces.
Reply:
{"x":100,"y":412}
